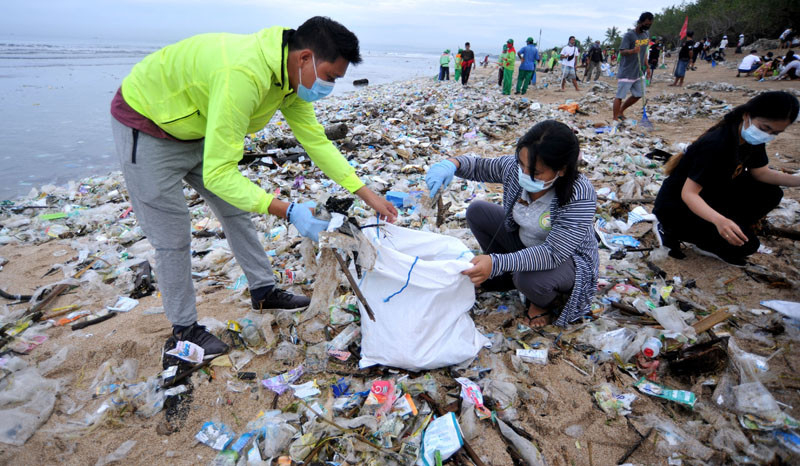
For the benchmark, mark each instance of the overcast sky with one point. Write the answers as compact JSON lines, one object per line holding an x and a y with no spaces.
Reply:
{"x":414,"y":24}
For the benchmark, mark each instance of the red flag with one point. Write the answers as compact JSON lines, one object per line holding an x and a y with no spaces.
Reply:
{"x":685,"y":26}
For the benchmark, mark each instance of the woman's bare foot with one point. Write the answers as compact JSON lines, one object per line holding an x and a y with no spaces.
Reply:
{"x":538,"y":317}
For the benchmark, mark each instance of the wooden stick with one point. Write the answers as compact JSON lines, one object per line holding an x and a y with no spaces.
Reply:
{"x":54,"y":293}
{"x":780,"y":232}
{"x":441,"y":210}
{"x":709,"y":321}
{"x":354,"y":285}
{"x":180,"y":377}
{"x":635,"y":446}
{"x":639,"y":200}
{"x":626,"y":308}
{"x":59,"y":289}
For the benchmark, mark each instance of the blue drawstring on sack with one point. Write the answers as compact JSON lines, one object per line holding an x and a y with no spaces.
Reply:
{"x":408,"y":278}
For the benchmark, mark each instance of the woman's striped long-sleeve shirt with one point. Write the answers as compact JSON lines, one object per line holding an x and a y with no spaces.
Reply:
{"x":571,"y":236}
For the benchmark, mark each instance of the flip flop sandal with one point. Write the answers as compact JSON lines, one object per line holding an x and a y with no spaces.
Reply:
{"x":545,"y":314}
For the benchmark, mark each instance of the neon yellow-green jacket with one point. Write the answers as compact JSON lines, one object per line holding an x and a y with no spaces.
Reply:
{"x":510,"y":60}
{"x":221,"y":87}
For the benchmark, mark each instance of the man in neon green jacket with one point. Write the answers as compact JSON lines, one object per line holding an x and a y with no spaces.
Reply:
{"x":182,"y":114}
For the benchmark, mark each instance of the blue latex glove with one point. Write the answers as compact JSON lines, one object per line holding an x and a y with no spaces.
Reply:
{"x":440,"y":175}
{"x":301,"y":217}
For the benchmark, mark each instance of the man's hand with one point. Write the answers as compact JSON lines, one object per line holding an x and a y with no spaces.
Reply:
{"x":302,"y":217}
{"x":385,"y":209}
{"x":481,"y":270}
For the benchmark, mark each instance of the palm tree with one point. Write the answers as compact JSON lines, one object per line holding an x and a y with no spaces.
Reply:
{"x":612,"y":34}
{"x":587,"y":42}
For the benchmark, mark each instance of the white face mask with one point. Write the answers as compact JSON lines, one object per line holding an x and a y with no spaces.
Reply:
{"x":533,"y":185}
{"x":755,"y":136}
{"x":318,"y":90}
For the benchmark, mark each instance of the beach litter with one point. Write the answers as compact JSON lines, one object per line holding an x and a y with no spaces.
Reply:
{"x":330,"y":384}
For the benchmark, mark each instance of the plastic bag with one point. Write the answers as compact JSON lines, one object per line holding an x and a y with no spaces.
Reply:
{"x":19,"y":423}
{"x":676,"y":439}
{"x":119,"y":454}
{"x":670,"y":318}
{"x":443,"y":435}
{"x":420,"y":300}
{"x":526,"y":449}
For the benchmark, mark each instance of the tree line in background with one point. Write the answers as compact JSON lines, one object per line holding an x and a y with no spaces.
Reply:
{"x":756,"y":19}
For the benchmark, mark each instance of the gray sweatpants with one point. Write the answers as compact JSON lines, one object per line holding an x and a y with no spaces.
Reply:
{"x":541,"y":287}
{"x":154,"y":171}
{"x":592,"y":66}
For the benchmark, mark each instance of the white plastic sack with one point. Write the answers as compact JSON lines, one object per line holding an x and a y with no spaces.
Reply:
{"x":420,"y":299}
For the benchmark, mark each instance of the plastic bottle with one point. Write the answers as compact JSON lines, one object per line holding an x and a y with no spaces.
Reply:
{"x":651,"y":347}
{"x":250,"y":333}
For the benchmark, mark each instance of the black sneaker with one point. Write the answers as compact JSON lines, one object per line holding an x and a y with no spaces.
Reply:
{"x":197,"y":334}
{"x":666,"y":240}
{"x":274,"y":299}
{"x":735,"y":261}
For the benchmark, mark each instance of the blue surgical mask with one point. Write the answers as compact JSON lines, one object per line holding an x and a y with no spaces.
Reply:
{"x":754,"y":136}
{"x":319,"y":89}
{"x":533,"y":185}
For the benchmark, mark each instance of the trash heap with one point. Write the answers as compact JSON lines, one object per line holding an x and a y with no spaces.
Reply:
{"x":665,"y":108}
{"x":715,"y":86}
{"x":689,"y":371}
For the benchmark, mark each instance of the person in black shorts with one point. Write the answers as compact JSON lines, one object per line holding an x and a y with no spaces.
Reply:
{"x":652,"y":57}
{"x":698,"y":47}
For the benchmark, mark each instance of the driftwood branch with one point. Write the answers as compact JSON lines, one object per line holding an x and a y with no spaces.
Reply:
{"x":771,"y":230}
{"x":636,"y":200}
{"x":354,"y":285}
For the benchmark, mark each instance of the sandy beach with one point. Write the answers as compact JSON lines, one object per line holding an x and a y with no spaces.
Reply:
{"x":553,"y":397}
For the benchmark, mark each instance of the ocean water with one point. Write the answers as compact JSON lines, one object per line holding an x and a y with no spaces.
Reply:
{"x":55,"y":96}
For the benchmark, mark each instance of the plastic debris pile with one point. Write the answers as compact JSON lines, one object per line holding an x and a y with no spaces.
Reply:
{"x":647,"y":353}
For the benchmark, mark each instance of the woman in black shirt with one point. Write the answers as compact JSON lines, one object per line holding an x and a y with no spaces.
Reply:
{"x":721,"y":186}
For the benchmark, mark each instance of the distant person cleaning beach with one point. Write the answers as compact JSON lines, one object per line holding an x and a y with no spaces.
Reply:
{"x":791,"y":67}
{"x":697,"y":49}
{"x":749,"y":64}
{"x":630,"y":75}
{"x":684,"y":57}
{"x":595,"y":58}
{"x":181,"y":115}
{"x":529,"y":55}
{"x":722,"y":45}
{"x":467,"y":63}
{"x":786,"y":38}
{"x":569,"y":60}
{"x":501,"y":60}
{"x":653,"y":57}
{"x":509,"y":63}
{"x":457,"y":67}
{"x":444,"y":66}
